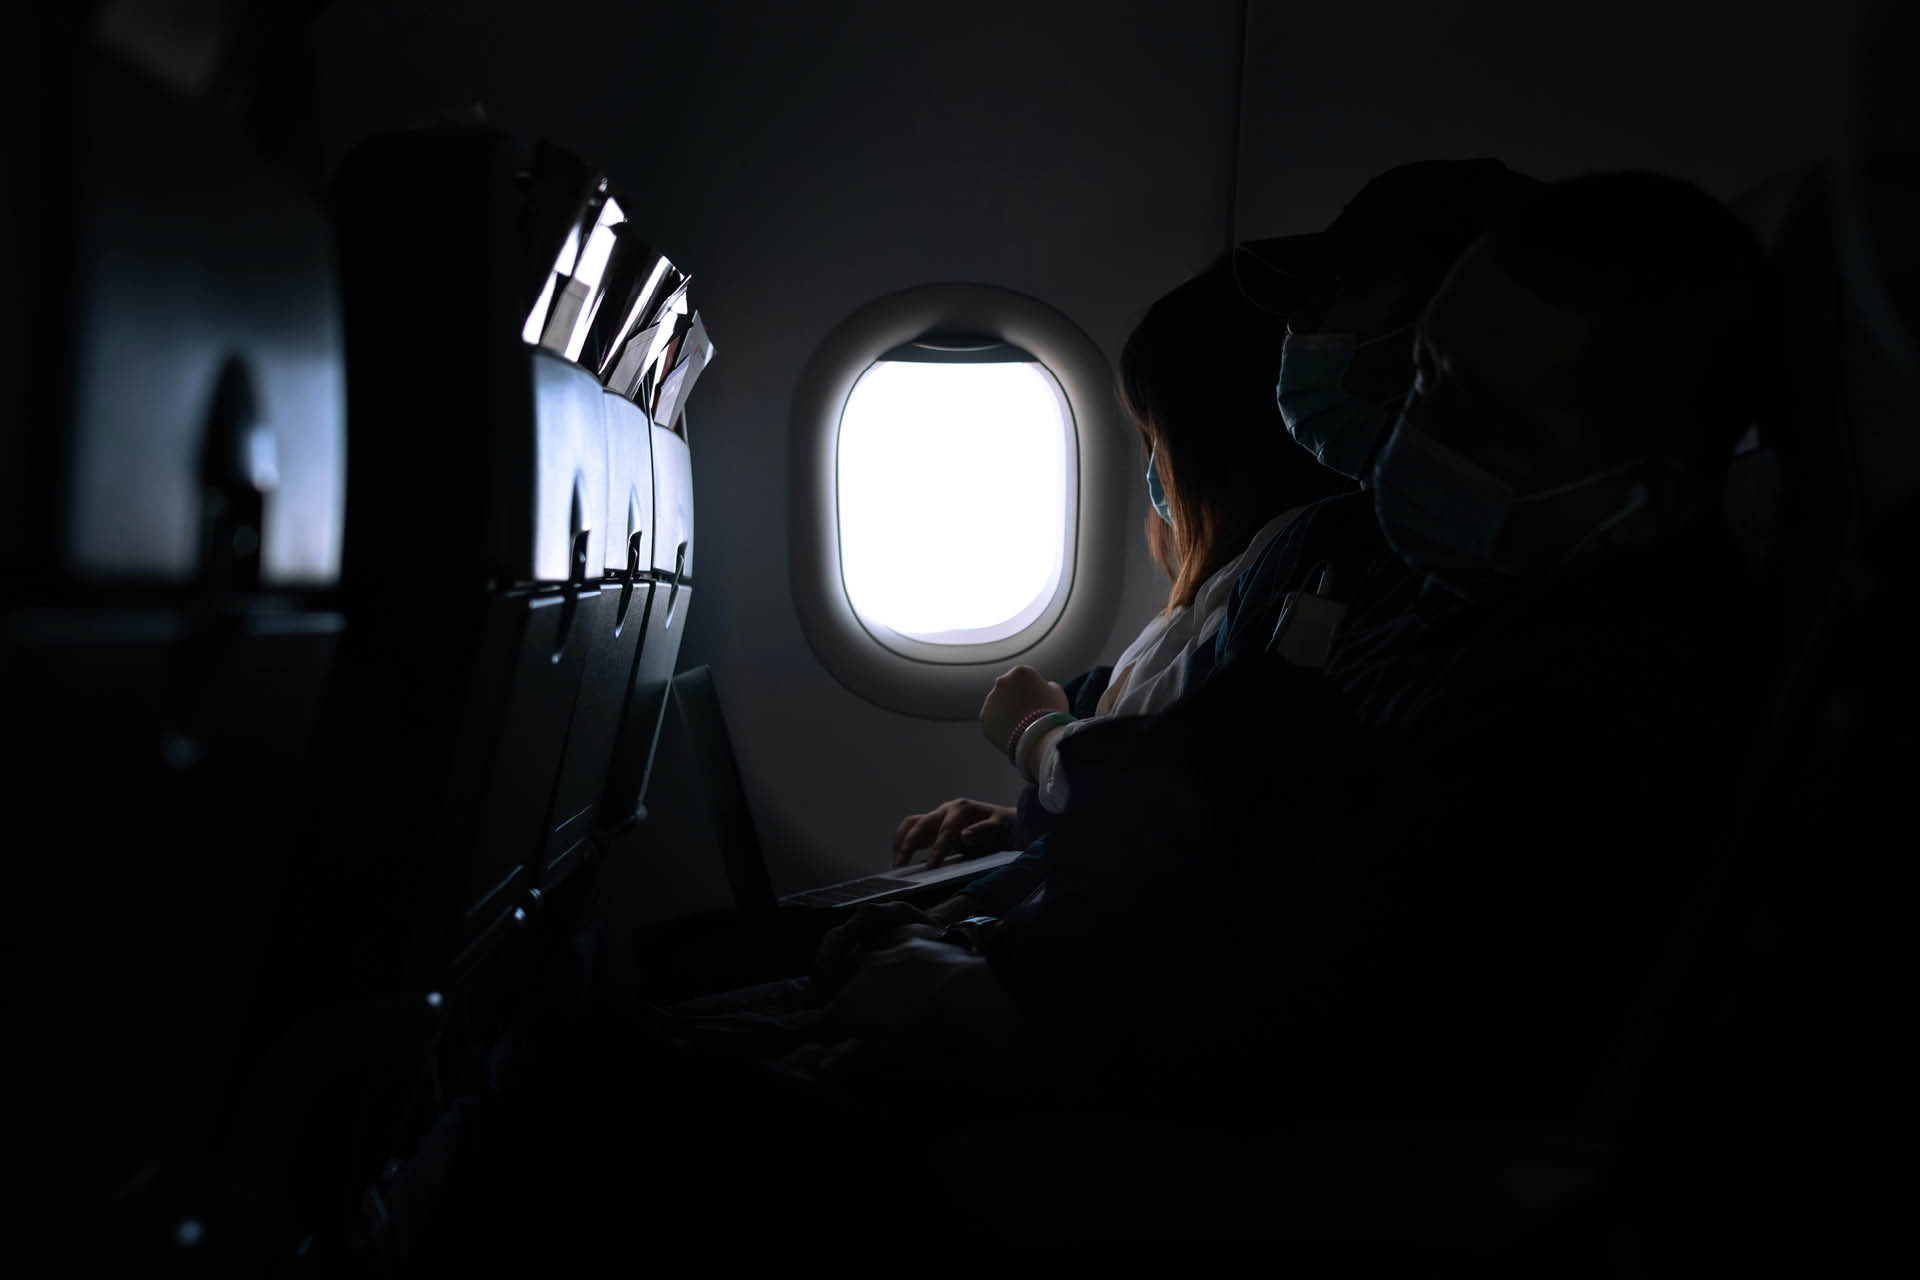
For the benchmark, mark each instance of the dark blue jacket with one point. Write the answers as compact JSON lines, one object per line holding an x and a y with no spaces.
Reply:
{"x":1425,"y":885}
{"x":1338,"y":533}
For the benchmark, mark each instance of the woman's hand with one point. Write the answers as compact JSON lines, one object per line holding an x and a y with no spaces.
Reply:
{"x":970,"y":826}
{"x":918,"y":1013}
{"x":903,"y":989}
{"x":874,"y":927}
{"x":1016,"y":693}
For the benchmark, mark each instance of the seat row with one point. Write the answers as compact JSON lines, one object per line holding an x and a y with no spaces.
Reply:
{"x":355,"y":548}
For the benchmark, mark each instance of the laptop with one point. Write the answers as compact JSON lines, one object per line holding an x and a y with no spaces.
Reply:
{"x":714,"y":775}
{"x":901,"y":880}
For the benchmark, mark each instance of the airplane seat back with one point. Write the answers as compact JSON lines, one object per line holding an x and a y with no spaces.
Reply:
{"x":1723,"y":1036}
{"x":1815,"y":963}
{"x":170,"y":620}
{"x":476,"y":553}
{"x":640,"y":332}
{"x":499,"y":571}
{"x":638,"y":738}
{"x":1815,"y":938}
{"x":616,"y":643}
{"x":470,"y":577}
{"x":1784,"y":501}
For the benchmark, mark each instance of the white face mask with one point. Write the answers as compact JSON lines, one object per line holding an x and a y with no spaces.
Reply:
{"x":1444,"y":514}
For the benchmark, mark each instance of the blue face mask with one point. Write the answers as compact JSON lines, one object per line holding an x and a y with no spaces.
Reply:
{"x":1443,"y":514}
{"x":1327,"y":420}
{"x":1156,"y":494}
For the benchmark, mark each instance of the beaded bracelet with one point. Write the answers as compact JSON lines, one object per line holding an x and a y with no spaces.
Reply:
{"x":1013,"y":739}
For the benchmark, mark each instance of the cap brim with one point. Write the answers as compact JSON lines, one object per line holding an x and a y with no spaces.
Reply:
{"x":1280,"y":273}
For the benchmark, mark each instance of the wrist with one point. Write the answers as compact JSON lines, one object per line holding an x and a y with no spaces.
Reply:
{"x":1027,"y":754}
{"x":1011,"y":747}
{"x":968,"y":934}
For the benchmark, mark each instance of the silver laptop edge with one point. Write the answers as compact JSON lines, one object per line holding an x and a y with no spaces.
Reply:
{"x":847,"y":893}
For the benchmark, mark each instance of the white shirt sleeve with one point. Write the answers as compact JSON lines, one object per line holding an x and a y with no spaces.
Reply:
{"x":1048,"y":776}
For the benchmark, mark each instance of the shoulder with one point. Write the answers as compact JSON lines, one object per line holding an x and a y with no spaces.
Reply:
{"x":1330,"y":526}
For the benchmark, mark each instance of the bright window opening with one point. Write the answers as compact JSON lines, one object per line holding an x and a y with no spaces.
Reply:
{"x":955,"y":497}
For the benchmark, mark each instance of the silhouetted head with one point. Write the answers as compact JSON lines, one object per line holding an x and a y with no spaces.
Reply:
{"x":1352,"y":292}
{"x":1196,"y":377}
{"x":1581,"y":378}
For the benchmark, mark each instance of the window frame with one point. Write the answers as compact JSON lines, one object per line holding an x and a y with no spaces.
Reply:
{"x":970,"y":349}
{"x":945,"y":681}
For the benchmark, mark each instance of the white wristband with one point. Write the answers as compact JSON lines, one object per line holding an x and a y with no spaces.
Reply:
{"x":1036,"y":731}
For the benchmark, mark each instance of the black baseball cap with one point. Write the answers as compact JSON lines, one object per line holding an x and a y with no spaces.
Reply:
{"x":1424,"y":214}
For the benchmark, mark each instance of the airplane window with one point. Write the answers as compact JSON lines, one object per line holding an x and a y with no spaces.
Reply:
{"x":963,"y":490}
{"x":954,"y":502}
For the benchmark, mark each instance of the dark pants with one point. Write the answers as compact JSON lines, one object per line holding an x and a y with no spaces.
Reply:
{"x":724,"y":950}
{"x":758,"y":1023}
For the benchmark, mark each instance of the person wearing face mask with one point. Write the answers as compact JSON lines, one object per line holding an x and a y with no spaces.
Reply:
{"x":1332,"y":314}
{"x":1338,"y":308}
{"x":1424,"y":885}
{"x":1418,"y":916}
{"x":1223,"y":480}
{"x":1351,"y":295}
{"x":1432,"y":905}
{"x":1570,"y":694}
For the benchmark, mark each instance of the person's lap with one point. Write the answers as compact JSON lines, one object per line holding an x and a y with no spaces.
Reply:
{"x":761,"y":1021}
{"x":696,"y":956}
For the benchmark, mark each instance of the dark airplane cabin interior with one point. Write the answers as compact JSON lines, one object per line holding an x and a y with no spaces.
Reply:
{"x":1294,"y":637}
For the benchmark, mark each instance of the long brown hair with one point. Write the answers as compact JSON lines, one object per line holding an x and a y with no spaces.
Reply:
{"x":1197,"y":377}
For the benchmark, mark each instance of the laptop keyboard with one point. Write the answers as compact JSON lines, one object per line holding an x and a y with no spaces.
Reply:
{"x":835,"y":895}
